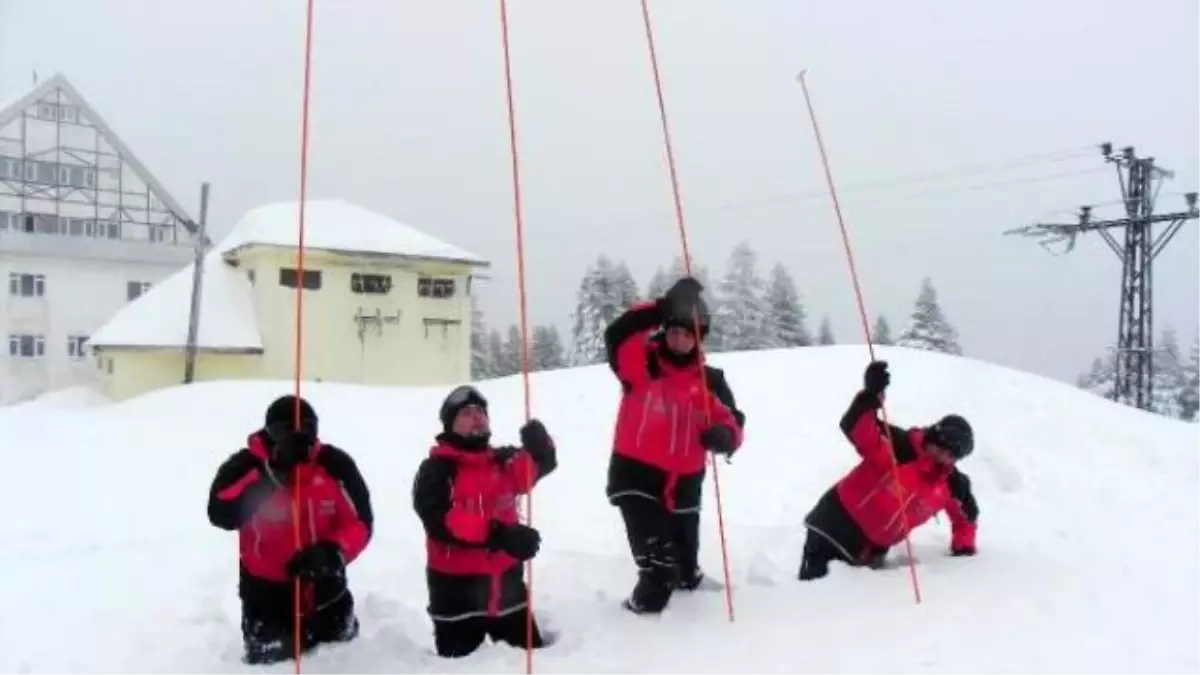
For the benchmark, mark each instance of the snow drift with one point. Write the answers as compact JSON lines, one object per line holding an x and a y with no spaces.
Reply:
{"x":1088,"y":560}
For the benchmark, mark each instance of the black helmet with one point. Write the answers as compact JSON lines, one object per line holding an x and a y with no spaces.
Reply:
{"x":953,"y":433}
{"x":687,"y":318}
{"x":458,"y":399}
{"x":280,"y":418}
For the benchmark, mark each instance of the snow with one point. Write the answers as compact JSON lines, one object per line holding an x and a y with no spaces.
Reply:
{"x":337,"y":225}
{"x":71,"y":397}
{"x":159,"y":318}
{"x":1088,"y":532}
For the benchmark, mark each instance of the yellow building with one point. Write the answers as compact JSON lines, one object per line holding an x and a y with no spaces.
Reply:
{"x":383,"y":304}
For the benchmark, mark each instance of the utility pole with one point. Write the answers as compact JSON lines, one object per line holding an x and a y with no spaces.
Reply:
{"x":201,"y":249}
{"x":1140,"y":179}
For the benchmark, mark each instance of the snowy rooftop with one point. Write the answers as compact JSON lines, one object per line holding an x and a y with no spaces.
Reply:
{"x":337,"y":225}
{"x":159,"y":318}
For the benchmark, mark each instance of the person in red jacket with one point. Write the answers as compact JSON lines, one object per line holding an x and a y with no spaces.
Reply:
{"x":673,"y":412}
{"x":465,"y":493}
{"x":874,"y":506}
{"x":253,"y":493}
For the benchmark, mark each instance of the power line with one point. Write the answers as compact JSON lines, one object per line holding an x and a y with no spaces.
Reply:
{"x":1140,"y":180}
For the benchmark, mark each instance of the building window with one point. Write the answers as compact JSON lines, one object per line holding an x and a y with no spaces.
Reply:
{"x":75,"y":346}
{"x":429,"y":287}
{"x":371,"y":284}
{"x":312,"y":278}
{"x":135,"y":289}
{"x":26,"y":346}
{"x":27,"y":285}
{"x":441,"y":327}
{"x":3,"y":220}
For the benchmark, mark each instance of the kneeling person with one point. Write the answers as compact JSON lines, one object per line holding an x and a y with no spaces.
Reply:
{"x":253,"y":494}
{"x":465,"y":493}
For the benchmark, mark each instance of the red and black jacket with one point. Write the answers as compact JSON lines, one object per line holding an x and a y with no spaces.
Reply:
{"x":662,"y":413}
{"x":885,"y":504}
{"x":462,"y":494}
{"x":334,"y":506}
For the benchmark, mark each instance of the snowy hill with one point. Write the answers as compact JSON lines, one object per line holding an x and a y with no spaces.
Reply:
{"x":1088,"y":533}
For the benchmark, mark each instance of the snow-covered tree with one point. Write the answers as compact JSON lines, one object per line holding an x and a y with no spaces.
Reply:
{"x":605,"y":291}
{"x":500,"y":365}
{"x":1189,"y":394}
{"x":741,"y":317}
{"x":658,"y":285}
{"x":1169,"y":375}
{"x":512,"y":350}
{"x":546,"y":352}
{"x":481,"y":358}
{"x":825,"y":332}
{"x":1102,"y":377}
{"x":785,"y":311}
{"x":678,"y":270}
{"x":928,"y":328}
{"x":882,"y":332}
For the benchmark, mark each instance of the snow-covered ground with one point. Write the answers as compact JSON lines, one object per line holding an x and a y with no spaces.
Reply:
{"x":1089,"y":550}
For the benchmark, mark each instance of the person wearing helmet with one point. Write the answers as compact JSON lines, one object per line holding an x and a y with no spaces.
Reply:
{"x":256,"y":492}
{"x":465,"y":493}
{"x":904,"y":478}
{"x":672,"y":414}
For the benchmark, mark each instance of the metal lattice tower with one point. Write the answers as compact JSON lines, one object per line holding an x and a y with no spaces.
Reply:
{"x":1140,"y":180}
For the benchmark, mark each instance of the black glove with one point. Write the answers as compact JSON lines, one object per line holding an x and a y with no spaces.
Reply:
{"x":520,"y":541}
{"x":322,"y":560}
{"x":876,"y":378}
{"x":718,"y":439}
{"x":958,"y":551}
{"x":681,"y":300}
{"x":535,"y":438}
{"x":290,"y":451}
{"x":503,"y":454}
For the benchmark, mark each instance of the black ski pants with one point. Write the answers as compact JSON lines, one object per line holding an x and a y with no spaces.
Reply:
{"x":268,"y":617}
{"x":458,"y":638}
{"x":833,"y":535}
{"x":662,"y":524}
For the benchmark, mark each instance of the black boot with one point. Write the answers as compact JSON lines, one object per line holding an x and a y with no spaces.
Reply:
{"x":265,"y":643}
{"x":658,"y":576}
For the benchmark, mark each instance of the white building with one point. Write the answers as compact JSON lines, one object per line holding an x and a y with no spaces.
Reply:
{"x":84,"y":229}
{"x":384,"y":304}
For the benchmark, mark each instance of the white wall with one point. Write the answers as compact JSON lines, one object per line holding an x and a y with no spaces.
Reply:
{"x":95,"y":227}
{"x":79,"y":296}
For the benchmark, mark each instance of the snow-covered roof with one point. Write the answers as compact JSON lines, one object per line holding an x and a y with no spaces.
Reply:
{"x":337,"y":225}
{"x":159,"y":318}
{"x":47,"y":87}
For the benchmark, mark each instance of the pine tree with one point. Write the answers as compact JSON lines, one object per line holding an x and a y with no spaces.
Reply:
{"x":928,"y":328}
{"x":512,"y":351}
{"x":605,"y":291}
{"x":500,"y":365}
{"x":742,"y":311}
{"x":1189,"y":393}
{"x":546,"y":353}
{"x":882,"y":332}
{"x":481,"y":361}
{"x":626,"y":286}
{"x":1102,"y":377}
{"x":1169,"y":376}
{"x":785,"y":311}
{"x":825,"y":333}
{"x":658,"y":285}
{"x":678,"y":271}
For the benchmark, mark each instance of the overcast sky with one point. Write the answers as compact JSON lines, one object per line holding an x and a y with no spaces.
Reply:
{"x":947,"y":123}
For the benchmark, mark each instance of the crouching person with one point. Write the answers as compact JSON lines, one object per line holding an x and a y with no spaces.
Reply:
{"x":903,"y":478}
{"x":465,"y":493}
{"x":253,"y":493}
